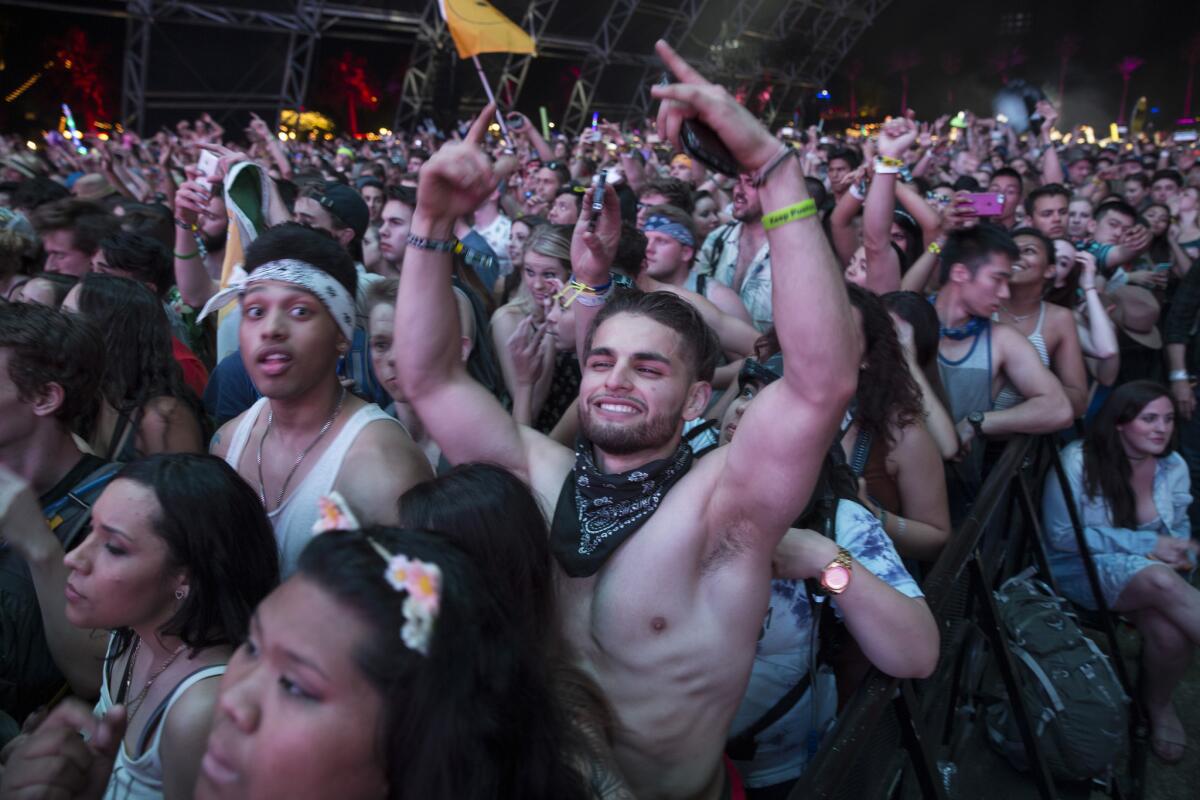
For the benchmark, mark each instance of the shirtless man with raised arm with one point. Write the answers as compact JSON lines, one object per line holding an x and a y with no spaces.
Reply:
{"x":671,"y":586}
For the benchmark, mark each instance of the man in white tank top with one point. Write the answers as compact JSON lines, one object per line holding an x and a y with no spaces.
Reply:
{"x":308,"y":435}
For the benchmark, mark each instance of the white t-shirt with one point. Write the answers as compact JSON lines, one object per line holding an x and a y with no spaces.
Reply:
{"x":785,"y":649}
{"x":497,"y":235}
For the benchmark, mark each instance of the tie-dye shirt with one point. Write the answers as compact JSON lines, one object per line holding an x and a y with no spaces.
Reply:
{"x":785,"y":649}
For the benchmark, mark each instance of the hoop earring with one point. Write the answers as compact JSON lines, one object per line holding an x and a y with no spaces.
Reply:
{"x":180,"y":594}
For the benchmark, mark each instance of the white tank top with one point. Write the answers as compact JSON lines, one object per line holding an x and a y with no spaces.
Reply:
{"x":293,"y":520}
{"x":141,"y":778}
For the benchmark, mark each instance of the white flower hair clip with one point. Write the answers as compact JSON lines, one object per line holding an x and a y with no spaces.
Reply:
{"x":420,"y":580}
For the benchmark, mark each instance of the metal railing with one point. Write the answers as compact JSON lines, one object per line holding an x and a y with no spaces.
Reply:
{"x":891,"y":729}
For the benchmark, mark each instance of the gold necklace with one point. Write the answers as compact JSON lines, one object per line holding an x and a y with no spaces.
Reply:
{"x":135,"y":705}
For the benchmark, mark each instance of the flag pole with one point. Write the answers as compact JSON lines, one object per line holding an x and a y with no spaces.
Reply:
{"x":487,"y":88}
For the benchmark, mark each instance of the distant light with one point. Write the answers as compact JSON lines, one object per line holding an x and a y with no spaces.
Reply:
{"x":291,"y":134}
{"x":1153,"y":109}
{"x":32,"y":145}
{"x":551,"y":124}
{"x":823,"y":94}
{"x":282,"y":136}
{"x":102,"y":137}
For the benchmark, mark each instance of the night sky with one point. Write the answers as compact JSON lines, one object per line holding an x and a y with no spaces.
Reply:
{"x":933,"y":33}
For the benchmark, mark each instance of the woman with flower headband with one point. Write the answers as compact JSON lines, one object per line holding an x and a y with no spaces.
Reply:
{"x":385,"y":668}
{"x":179,"y":554}
{"x":308,"y":435}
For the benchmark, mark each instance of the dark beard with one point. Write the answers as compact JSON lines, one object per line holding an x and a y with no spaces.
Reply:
{"x":624,"y":440}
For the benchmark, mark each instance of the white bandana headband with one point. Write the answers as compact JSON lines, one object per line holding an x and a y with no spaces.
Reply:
{"x":320,"y":284}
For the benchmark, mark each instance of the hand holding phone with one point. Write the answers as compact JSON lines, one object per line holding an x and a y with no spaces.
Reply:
{"x":986,"y":204}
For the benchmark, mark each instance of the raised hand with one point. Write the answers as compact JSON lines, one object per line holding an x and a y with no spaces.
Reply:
{"x":259,"y":127}
{"x":226,"y":158}
{"x":1137,"y":238}
{"x":593,"y":247}
{"x":959,"y":214}
{"x":896,"y":136}
{"x":1087,"y":269}
{"x":1049,"y":116}
{"x":528,"y":345}
{"x":459,"y":176}
{"x":192,"y":196}
{"x":55,"y":762}
{"x":694,"y":97}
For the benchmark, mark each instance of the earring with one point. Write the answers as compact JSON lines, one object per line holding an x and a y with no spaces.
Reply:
{"x":180,"y":594}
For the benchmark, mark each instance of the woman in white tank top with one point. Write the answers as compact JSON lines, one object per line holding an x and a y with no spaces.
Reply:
{"x":179,"y":554}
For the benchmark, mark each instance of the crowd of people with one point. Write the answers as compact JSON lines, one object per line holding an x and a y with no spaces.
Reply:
{"x":477,"y":464}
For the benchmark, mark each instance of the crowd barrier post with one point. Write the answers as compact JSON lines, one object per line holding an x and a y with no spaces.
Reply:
{"x":981,"y":563}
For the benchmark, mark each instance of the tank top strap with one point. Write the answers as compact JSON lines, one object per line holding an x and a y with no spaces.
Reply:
{"x":1037,"y":330}
{"x":158,"y":720}
{"x":241,"y":433}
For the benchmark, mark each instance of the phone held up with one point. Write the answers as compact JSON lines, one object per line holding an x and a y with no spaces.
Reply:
{"x":599,"y":182}
{"x":987,"y":204}
{"x":701,"y":143}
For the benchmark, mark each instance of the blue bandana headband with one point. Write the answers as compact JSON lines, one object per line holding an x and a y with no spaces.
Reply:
{"x":675,"y":230}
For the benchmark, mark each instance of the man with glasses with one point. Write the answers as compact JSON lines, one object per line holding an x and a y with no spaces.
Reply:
{"x":738,"y":255}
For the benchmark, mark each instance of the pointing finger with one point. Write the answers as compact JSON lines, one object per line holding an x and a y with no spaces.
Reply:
{"x":475,"y":134}
{"x":683,"y":70}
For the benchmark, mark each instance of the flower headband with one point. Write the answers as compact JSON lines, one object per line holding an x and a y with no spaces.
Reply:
{"x":677,"y":231}
{"x":317,"y":282}
{"x":420,"y":580}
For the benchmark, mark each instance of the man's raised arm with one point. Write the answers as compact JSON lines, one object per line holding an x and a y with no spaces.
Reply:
{"x":463,"y":418}
{"x":773,"y":463}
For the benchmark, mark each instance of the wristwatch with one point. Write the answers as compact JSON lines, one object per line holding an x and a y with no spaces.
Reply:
{"x":835,"y":577}
{"x":976,"y":420}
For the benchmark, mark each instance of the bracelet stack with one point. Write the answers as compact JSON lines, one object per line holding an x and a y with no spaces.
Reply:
{"x":590,"y":296}
{"x":886,"y":165}
{"x":434,"y":245}
{"x":191,"y":227}
{"x":760,"y":177}
{"x":1179,"y":375}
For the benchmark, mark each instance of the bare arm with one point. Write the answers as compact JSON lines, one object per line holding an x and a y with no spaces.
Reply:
{"x":185,"y":738}
{"x":841,"y":228}
{"x":764,"y":484}
{"x":1046,"y":408}
{"x":454,"y":407}
{"x":381,"y":467}
{"x":896,"y":633}
{"x":727,"y":300}
{"x":191,"y":202}
{"x":937,"y":419}
{"x":923,"y":505}
{"x":1067,"y":363}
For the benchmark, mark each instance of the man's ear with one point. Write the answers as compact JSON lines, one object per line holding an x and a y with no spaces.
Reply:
{"x":48,"y":400}
{"x":688,"y":253}
{"x":960,"y":274}
{"x":1091,"y":227}
{"x":697,"y":400}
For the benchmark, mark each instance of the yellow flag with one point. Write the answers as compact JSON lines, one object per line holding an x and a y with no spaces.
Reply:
{"x":477,"y":27}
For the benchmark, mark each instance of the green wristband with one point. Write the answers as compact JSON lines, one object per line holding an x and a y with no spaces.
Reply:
{"x":802,"y":210}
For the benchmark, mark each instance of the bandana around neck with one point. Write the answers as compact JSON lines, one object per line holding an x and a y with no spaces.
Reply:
{"x":317,"y":282}
{"x":973,"y":327}
{"x":596,"y":512}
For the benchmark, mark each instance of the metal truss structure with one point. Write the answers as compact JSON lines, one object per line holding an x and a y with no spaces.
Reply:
{"x":794,"y":45}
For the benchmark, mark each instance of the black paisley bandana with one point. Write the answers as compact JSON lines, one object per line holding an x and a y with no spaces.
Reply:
{"x":597,"y":512}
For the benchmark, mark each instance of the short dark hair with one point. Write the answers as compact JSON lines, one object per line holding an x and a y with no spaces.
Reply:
{"x":701,"y":349}
{"x":1172,"y":175}
{"x":35,"y":192}
{"x":574,"y":194}
{"x":47,"y":346}
{"x":678,"y":193}
{"x":1138,"y":177}
{"x":1009,"y":172}
{"x":405,"y":195}
{"x":293,"y":240}
{"x":974,"y":246}
{"x":851,"y":157}
{"x":1115,"y":207}
{"x":89,"y":223}
{"x":1049,"y":190}
{"x":214,"y":527}
{"x":631,"y":251}
{"x":143,"y":257}
{"x":1046,"y":242}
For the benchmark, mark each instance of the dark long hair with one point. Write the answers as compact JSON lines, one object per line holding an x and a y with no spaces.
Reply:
{"x":888,"y":397}
{"x":469,"y":720}
{"x":921,"y":315}
{"x":490,"y":513}
{"x":216,"y":529}
{"x":137,"y":338}
{"x":1106,"y":468}
{"x":1066,"y":295}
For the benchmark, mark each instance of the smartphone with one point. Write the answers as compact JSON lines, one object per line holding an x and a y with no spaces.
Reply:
{"x":599,"y":182}
{"x":207,"y":164}
{"x":701,"y":143}
{"x":987,"y":204}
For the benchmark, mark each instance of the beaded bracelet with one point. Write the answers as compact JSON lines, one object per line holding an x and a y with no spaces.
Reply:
{"x":187,"y":226}
{"x":802,"y":210}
